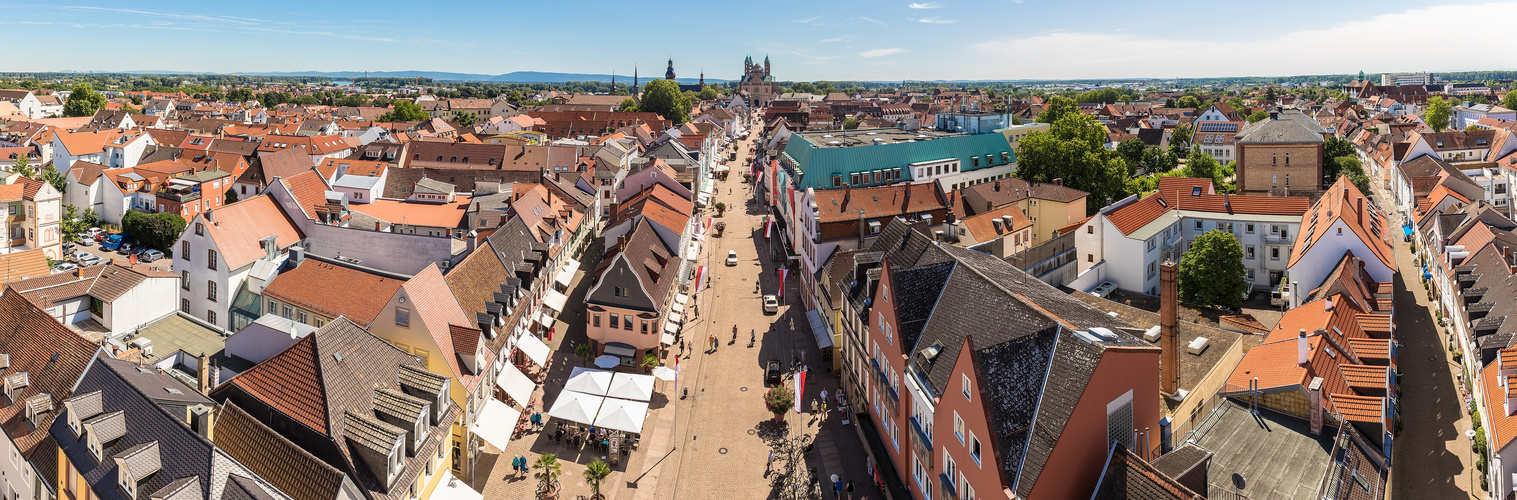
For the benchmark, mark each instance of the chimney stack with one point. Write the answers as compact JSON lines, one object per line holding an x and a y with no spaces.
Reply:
{"x":203,"y":370}
{"x":1169,"y":337}
{"x":1359,"y":207}
{"x":1302,"y":349}
{"x":200,"y":420}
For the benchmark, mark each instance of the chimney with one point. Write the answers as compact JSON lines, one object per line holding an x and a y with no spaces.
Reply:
{"x":1058,"y":181}
{"x":1328,"y":304}
{"x":1301,"y":348}
{"x":203,"y":372}
{"x":200,"y":420}
{"x":1315,"y":389}
{"x":1359,"y":208}
{"x":473,"y":241}
{"x":1169,"y":337}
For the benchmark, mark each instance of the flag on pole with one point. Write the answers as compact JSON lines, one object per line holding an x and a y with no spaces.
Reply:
{"x":783,"y":273}
{"x":800,"y":387}
{"x":768,"y":223}
{"x":700,"y":278}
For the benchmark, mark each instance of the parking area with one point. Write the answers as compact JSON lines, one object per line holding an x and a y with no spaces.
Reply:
{"x":163,"y":264}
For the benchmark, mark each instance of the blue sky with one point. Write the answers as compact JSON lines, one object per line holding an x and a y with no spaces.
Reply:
{"x":838,"y":40}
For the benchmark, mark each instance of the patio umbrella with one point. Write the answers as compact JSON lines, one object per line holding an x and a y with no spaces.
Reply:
{"x":607,"y":361}
{"x":631,"y":386}
{"x":588,"y":381}
{"x":663,"y":373}
{"x":576,"y":407}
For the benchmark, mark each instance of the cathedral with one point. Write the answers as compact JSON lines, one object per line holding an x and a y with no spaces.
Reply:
{"x":758,"y":83}
{"x":669,"y":75}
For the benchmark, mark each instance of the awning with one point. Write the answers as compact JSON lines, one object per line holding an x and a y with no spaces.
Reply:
{"x":534,"y":348}
{"x":545,"y":318}
{"x":694,"y":251}
{"x":631,"y":386}
{"x":681,"y":298}
{"x":675,"y":317}
{"x":496,"y":423}
{"x":565,"y":276}
{"x":555,"y":300}
{"x":516,"y":384}
{"x":619,"y":349}
{"x":622,"y":415}
{"x":667,"y":338}
{"x":677,"y":307}
{"x":589,"y":381}
{"x":576,"y":407}
{"x":453,"y":488}
{"x":819,"y":330}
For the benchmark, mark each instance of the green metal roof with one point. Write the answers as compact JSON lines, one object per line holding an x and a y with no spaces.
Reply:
{"x":815,"y":165}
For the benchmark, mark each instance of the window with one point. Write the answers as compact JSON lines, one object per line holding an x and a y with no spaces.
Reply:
{"x":210,"y":290}
{"x":919,"y":474}
{"x":403,"y":317}
{"x":199,"y":229}
{"x":627,"y":323}
{"x":974,"y":448}
{"x":1274,"y":253}
{"x":273,"y":307}
{"x":1152,"y":243}
{"x":1274,"y":229}
{"x":974,"y":162}
{"x":958,"y":427}
{"x":1153,"y":268}
{"x":1198,"y":225}
{"x":1287,"y":159}
{"x":964,"y":385}
{"x":300,"y":316}
{"x":1090,"y":229}
{"x":210,"y":256}
{"x":184,"y":250}
{"x":965,"y":491}
{"x":950,"y":470}
{"x":837,"y":181}
{"x":184,"y":280}
{"x":1119,"y":425}
{"x":1090,"y":257}
{"x":184,"y":306}
{"x":595,"y":320}
{"x":615,"y":320}
{"x":889,"y":334}
{"x":1248,"y":228}
{"x":1248,"y":252}
{"x":1273,"y":160}
{"x":210,"y":317}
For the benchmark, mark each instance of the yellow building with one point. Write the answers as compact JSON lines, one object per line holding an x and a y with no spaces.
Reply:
{"x":1050,"y":206}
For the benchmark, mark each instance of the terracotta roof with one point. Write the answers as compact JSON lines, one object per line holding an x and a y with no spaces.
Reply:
{"x":106,"y":282}
{"x":284,"y":163}
{"x":22,"y":265}
{"x":362,"y":168}
{"x":332,"y":290}
{"x":52,"y":356}
{"x":1365,"y":409}
{"x":434,"y":305}
{"x":1075,"y":226}
{"x":982,"y":226}
{"x":286,"y":465}
{"x":290,"y":383}
{"x":447,"y":215}
{"x":86,"y":172}
{"x":1503,"y":426}
{"x":1129,"y":477}
{"x":1366,"y":376}
{"x":1371,"y":348}
{"x":309,"y":190}
{"x":836,"y":205}
{"x":1244,"y":322}
{"x":1340,"y":203}
{"x":238,"y":227}
{"x":1137,"y":214}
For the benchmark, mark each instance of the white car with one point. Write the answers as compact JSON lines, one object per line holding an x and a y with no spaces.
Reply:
{"x":771,"y":304}
{"x":732,"y":257}
{"x":87,"y":259}
{"x":1104,"y":289}
{"x":64,"y":267}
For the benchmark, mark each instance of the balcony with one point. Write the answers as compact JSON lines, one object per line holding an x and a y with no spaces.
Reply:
{"x":18,"y":217}
{"x":179,"y":197}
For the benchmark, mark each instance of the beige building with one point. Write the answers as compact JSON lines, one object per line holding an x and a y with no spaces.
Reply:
{"x":32,"y":210}
{"x":1015,"y":133}
{"x":1049,"y":206}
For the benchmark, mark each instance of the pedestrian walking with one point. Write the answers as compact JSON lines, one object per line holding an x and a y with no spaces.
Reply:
{"x":824,"y":395}
{"x":770,"y":464}
{"x":813,"y":406}
{"x":849,"y":489}
{"x":837,"y":488}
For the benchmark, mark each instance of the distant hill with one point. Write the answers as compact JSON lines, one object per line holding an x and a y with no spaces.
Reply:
{"x":512,"y":77}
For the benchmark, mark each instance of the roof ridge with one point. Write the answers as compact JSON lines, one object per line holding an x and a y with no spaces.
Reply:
{"x":175,"y":418}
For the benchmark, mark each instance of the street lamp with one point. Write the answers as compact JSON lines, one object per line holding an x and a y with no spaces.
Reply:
{"x":1471,"y":434}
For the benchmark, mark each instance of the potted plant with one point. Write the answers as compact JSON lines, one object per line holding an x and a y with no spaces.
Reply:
{"x":547,"y":475}
{"x":649,"y":362}
{"x":720,"y":208}
{"x":595,"y":473}
{"x":779,"y":400}
{"x":585,"y":352}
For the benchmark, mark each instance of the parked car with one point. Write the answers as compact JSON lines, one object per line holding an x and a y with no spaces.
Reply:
{"x":114,"y":241}
{"x":87,"y":259}
{"x":1104,"y":289}
{"x":64,"y":267}
{"x":772,"y":371}
{"x":91,"y":232}
{"x":150,"y":255}
{"x":125,"y":248}
{"x":771,"y":304}
{"x":86,"y":241}
{"x":69,"y":247}
{"x":732,"y":257}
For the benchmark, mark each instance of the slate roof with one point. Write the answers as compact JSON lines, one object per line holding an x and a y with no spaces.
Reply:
{"x":1286,"y":129}
{"x":1128,"y":477}
{"x":181,"y":452}
{"x":30,"y":338}
{"x":1012,"y":190}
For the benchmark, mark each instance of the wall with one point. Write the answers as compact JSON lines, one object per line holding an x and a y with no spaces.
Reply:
{"x":1080,"y":454}
{"x":1049,"y":216}
{"x":71,"y":311}
{"x":894,"y":365}
{"x":1260,"y":165}
{"x":18,"y":475}
{"x":1327,"y":251}
{"x":1202,"y":393}
{"x":389,"y":252}
{"x":152,"y":299}
{"x":983,"y":477}
{"x":258,"y":342}
{"x":636,"y":337}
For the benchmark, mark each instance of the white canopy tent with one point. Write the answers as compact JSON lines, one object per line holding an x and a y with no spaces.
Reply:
{"x":631,"y":386}
{"x":496,"y":423}
{"x":567,"y":274}
{"x":576,"y":407}
{"x":453,"y":488}
{"x":588,"y":381}
{"x":555,"y":300}
{"x":681,"y":299}
{"x":622,"y":415}
{"x":534,"y":348}
{"x":515,"y":383}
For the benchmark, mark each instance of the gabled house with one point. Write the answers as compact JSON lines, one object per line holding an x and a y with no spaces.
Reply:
{"x":222,"y":250}
{"x":33,"y":210}
{"x":1342,"y":221}
{"x":42,"y":361}
{"x":116,"y":298}
{"x":316,"y":290}
{"x":363,"y":406}
{"x":630,"y":303}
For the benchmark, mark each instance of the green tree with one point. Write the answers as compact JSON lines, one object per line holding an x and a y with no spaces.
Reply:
{"x":595,"y":473}
{"x":1269,"y":96}
{"x":137,"y":100}
{"x":1335,"y":147}
{"x":1180,"y":137}
{"x":779,"y":399}
{"x":663,"y":97}
{"x":1211,"y":272}
{"x":153,"y":230}
{"x":548,"y":469}
{"x":1131,"y":150}
{"x":1159,"y":160}
{"x":1073,"y":149}
{"x":1438,"y":112}
{"x":23,"y":166}
{"x":83,"y":101}
{"x":1351,"y":167}
{"x":628,"y":105}
{"x":466,"y":119}
{"x":1188,"y":101}
{"x":74,"y":222}
{"x":230,"y":196}
{"x":1203,"y":166}
{"x":1057,"y":107}
{"x":584,"y":352}
{"x":1256,"y":116}
{"x":56,"y":178}
{"x":1169,"y":103}
{"x":1509,"y":101}
{"x":405,"y":111}
{"x":850,"y":124}
{"x":707,"y":94}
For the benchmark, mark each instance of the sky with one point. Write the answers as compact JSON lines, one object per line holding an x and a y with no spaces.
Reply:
{"x":805,"y":41}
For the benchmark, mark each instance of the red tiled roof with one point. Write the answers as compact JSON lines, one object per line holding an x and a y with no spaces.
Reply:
{"x":983,"y":228}
{"x":1503,"y":427}
{"x":309,"y":190}
{"x":1137,"y":214}
{"x":1363,"y":375}
{"x":333,"y":290}
{"x":238,"y":227}
{"x":289,"y":383}
{"x":1366,"y":409}
{"x":880,"y":201}
{"x":1339,"y":203}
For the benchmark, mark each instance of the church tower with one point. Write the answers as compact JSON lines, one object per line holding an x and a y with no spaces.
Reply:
{"x":766,"y":65}
{"x":669,"y":73}
{"x":703,"y":78}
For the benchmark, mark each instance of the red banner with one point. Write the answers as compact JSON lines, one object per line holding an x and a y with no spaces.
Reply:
{"x":700,"y":278}
{"x":800,"y":387}
{"x":783,"y":273}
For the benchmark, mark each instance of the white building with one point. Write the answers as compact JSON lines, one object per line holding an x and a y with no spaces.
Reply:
{"x":25,"y":101}
{"x":221,"y":248}
{"x":1342,"y":221}
{"x":1395,"y":79}
{"x":118,"y":299}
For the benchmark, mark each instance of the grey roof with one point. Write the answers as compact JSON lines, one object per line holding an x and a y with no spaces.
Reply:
{"x":1289,"y":127}
{"x":1274,"y":455}
{"x":433,"y":186}
{"x":1181,"y":460}
{"x":142,"y":460}
{"x":240,"y":487}
{"x":87,"y":405}
{"x":397,"y":408}
{"x":107,"y":427}
{"x":151,"y":382}
{"x":185,"y":488}
{"x":356,"y":182}
{"x":370,"y":432}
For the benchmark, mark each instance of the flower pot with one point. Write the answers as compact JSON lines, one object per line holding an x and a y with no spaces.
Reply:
{"x":779,"y":416}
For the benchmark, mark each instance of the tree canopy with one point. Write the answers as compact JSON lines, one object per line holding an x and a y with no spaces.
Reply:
{"x":628,"y":105}
{"x":405,"y":111}
{"x":466,"y":118}
{"x":1438,"y":112}
{"x":83,"y":101}
{"x":1211,"y":272}
{"x":663,"y":97}
{"x":1073,"y":149}
{"x":707,"y":94}
{"x":1057,"y":107}
{"x":1509,"y":101}
{"x":1256,"y":116}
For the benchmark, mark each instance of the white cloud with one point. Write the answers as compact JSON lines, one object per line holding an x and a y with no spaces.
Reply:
{"x":831,"y":40}
{"x":873,"y":21}
{"x":881,"y":52}
{"x":935,"y":20}
{"x":928,"y":5}
{"x":1303,"y":52}
{"x":808,"y":20}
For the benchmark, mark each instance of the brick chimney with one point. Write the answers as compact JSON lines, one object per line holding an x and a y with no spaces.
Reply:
{"x":1169,"y":336}
{"x":204,"y":374}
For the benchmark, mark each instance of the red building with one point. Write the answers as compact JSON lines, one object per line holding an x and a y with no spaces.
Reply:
{"x":983,"y":382}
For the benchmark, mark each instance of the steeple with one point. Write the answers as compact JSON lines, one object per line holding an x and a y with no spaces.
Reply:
{"x":634,"y":79}
{"x":703,"y":78}
{"x":669,"y":73}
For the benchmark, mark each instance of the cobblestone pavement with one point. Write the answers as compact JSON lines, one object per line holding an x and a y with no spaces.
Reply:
{"x":1432,"y":456}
